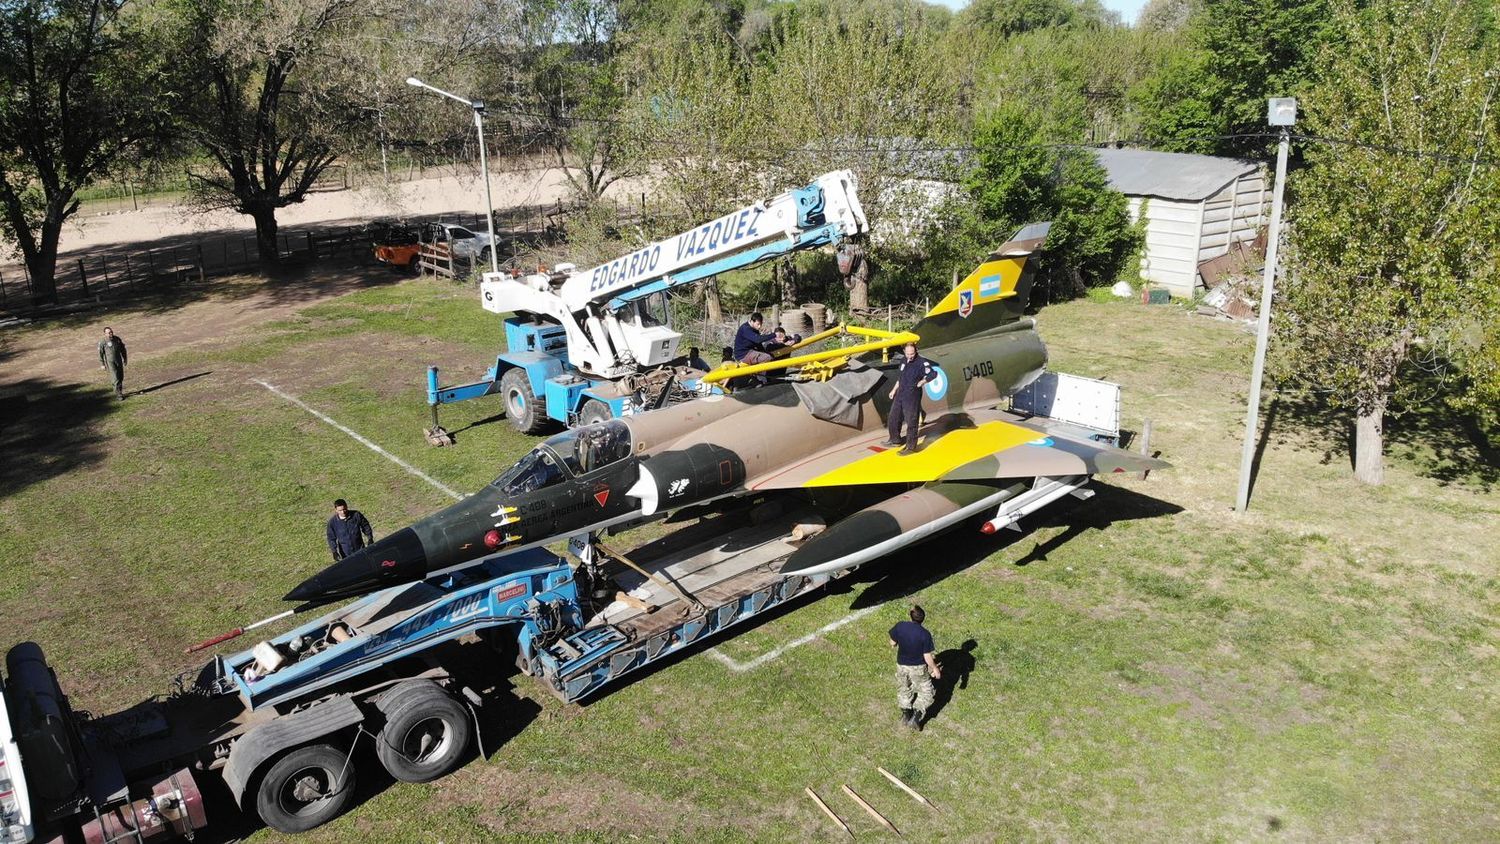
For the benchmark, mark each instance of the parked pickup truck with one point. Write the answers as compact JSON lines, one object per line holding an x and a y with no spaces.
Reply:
{"x":400,"y":246}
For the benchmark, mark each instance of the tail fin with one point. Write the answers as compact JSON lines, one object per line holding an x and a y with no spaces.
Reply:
{"x":994,"y":294}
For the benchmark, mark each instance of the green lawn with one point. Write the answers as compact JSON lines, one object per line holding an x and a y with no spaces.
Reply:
{"x":1147,"y":664}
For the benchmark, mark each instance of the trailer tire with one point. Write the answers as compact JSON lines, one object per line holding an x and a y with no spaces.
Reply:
{"x":414,"y":266}
{"x":426,"y":733}
{"x":521,"y":403}
{"x":593,"y":412}
{"x":307,"y":787}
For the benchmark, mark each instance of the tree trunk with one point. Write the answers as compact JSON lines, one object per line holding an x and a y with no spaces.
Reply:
{"x":1369,"y":444}
{"x":266,"y":245}
{"x":42,"y":266}
{"x":711,"y":298}
{"x":859,"y":285}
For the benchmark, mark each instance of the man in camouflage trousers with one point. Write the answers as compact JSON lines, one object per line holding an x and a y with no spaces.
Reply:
{"x":916,"y":668}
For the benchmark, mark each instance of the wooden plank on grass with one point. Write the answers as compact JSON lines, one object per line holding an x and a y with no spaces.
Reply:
{"x":827,"y":811}
{"x":906,"y":788}
{"x":871,"y":809}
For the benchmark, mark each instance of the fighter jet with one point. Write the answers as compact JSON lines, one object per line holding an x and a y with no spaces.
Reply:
{"x":787,"y":436}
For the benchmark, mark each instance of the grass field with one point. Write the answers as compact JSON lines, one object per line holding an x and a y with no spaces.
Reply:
{"x":1145,"y":665}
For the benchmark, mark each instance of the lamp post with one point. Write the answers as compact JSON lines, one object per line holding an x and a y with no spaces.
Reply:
{"x":1282,"y":112}
{"x":484,"y":162}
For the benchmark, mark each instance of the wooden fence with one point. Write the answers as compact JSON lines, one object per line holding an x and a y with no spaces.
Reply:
{"x":113,"y":272}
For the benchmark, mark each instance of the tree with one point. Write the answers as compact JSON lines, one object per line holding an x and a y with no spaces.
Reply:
{"x":575,"y":84}
{"x":694,"y":117}
{"x":1004,"y":18}
{"x":1211,"y":96}
{"x":82,"y":84}
{"x":866,"y":87}
{"x":1395,"y":258}
{"x":1018,"y":178}
{"x":274,"y":100}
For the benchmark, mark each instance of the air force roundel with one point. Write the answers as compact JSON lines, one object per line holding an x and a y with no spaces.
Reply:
{"x":938,"y":386}
{"x":965,"y":302}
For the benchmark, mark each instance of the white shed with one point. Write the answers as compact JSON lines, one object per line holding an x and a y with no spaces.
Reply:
{"x":1195,"y":207}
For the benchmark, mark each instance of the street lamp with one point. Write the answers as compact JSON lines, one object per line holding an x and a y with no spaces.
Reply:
{"x":1281,"y":112}
{"x":484,"y":161}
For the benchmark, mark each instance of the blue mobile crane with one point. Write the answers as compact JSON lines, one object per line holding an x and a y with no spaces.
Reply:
{"x":583,"y":346}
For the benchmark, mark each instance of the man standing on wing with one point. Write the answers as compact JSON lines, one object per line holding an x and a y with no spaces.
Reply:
{"x":906,"y":399}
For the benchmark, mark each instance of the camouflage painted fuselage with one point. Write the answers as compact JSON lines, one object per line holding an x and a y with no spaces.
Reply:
{"x":767,"y":438}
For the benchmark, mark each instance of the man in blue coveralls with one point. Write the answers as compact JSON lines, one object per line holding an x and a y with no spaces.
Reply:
{"x":348,"y":530}
{"x":916,"y":668}
{"x":906,"y":399}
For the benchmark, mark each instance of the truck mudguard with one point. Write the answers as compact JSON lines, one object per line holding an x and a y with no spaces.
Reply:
{"x":267,"y":740}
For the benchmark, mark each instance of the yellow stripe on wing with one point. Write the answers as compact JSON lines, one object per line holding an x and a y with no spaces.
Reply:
{"x":936,"y":459}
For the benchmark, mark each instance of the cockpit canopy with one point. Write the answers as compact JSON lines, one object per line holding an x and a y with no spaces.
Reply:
{"x":580,"y":451}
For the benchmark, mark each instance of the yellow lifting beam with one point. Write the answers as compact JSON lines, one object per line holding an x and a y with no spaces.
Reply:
{"x":819,"y":365}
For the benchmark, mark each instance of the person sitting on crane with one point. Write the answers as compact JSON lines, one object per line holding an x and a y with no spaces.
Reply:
{"x":749,"y":341}
{"x":780,"y":341}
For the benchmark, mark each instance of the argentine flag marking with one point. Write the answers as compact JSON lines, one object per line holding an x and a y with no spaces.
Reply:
{"x":989,"y":286}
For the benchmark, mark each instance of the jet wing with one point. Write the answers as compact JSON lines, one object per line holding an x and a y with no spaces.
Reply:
{"x":993,"y":444}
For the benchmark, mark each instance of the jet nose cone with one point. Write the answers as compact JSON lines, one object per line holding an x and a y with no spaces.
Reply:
{"x":398,"y":558}
{"x":306,"y":591}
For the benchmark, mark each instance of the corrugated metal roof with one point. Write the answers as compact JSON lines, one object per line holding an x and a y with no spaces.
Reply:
{"x":1170,"y":175}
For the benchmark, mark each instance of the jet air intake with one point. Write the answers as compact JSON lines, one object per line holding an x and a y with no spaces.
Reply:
{"x":676,"y":479}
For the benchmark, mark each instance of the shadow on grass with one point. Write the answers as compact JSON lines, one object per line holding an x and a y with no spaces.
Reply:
{"x":48,"y":428}
{"x":154,"y":387}
{"x":1449,"y":446}
{"x":485,"y":421}
{"x":911,"y":569}
{"x":290,"y":284}
{"x":915,"y":568}
{"x":957,"y":665}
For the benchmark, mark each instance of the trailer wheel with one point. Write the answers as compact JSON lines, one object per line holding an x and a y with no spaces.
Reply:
{"x":593,"y":412}
{"x":521,"y":404}
{"x":426,"y":733}
{"x":414,"y":266}
{"x":307,"y":787}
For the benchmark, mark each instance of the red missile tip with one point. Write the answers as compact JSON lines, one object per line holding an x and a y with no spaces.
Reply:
{"x":492,"y":539}
{"x":988,"y":528}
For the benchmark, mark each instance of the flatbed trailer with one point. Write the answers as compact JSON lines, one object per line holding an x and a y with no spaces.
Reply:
{"x":280,"y":723}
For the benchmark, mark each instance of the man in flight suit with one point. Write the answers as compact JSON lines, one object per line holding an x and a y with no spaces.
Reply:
{"x":906,"y":399}
{"x":112,"y":357}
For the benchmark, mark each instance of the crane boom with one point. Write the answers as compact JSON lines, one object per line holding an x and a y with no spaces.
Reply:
{"x":608,"y":335}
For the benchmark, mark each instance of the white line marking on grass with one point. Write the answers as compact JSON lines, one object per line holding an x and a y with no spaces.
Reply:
{"x":736,"y":666}
{"x":410,"y":469}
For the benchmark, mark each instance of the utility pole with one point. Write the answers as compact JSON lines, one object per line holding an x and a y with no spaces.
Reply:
{"x":1280,"y":111}
{"x":484,"y":163}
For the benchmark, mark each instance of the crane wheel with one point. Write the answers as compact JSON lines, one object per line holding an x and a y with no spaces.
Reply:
{"x":426,"y":732}
{"x":307,"y":787}
{"x":521,"y":404}
{"x":593,"y":412}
